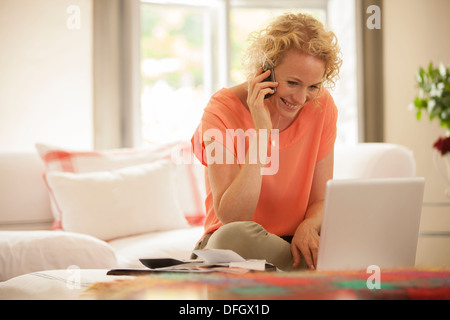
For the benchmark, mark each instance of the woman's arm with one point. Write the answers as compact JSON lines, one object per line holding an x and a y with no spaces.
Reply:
{"x":306,"y":237}
{"x":236,"y":189}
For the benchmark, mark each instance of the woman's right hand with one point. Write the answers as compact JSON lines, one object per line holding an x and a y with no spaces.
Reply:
{"x":259,"y":109}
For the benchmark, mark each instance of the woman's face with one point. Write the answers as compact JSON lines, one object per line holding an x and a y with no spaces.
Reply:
{"x":299,"y":78}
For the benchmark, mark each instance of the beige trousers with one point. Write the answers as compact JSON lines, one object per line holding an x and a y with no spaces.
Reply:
{"x":251,"y":241}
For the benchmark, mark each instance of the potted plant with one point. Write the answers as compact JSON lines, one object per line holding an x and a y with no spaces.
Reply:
{"x":434,"y":98}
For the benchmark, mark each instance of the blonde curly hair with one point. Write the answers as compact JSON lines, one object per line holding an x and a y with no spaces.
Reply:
{"x":293,"y":31}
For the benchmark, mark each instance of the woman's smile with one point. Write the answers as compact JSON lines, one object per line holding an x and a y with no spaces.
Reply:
{"x":290,"y":106}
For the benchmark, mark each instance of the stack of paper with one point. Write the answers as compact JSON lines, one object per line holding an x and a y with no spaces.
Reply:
{"x":209,"y":260}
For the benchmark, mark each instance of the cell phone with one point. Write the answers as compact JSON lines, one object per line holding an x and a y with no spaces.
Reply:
{"x":270,"y":78}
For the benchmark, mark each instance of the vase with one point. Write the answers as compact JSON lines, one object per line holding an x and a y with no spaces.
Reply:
{"x":443,"y":165}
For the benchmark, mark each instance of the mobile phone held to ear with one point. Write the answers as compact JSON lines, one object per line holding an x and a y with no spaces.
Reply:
{"x":270,"y":78}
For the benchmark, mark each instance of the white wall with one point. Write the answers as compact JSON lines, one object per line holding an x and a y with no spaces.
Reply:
{"x":416,"y":32}
{"x":45,"y":74}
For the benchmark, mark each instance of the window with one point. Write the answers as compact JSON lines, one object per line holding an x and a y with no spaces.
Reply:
{"x":172,"y":69}
{"x":192,"y":48}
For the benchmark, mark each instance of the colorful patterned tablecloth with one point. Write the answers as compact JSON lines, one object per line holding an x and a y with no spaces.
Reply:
{"x":386,"y":284}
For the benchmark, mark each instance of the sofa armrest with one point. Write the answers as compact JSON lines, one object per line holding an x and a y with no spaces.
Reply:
{"x":373,"y":160}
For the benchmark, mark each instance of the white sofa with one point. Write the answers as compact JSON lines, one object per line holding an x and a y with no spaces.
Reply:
{"x":27,"y":243}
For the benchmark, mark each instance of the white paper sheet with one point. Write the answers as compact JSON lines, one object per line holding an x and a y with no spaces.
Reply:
{"x":218,"y":256}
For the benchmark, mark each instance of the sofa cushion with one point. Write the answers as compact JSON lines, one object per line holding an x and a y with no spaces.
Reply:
{"x":22,"y":252}
{"x":188,"y":176}
{"x":118,"y":203}
{"x":177,"y":244}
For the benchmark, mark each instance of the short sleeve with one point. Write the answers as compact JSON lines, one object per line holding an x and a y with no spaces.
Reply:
{"x":218,"y":120}
{"x":329,"y":130}
{"x":198,"y":146}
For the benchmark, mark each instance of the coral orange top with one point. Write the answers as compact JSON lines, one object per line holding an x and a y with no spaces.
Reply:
{"x":284,"y":196}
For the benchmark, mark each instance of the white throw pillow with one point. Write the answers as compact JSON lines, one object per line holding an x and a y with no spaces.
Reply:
{"x":187,"y":179}
{"x":118,"y":203}
{"x":23,"y":252}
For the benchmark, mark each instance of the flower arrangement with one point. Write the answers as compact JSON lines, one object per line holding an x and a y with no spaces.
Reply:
{"x":443,"y":145}
{"x":434,"y":98}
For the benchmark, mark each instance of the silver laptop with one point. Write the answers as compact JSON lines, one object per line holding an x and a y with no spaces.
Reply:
{"x":370,"y":222}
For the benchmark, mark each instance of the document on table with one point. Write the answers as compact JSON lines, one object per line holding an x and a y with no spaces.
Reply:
{"x":210,"y":260}
{"x":229,"y":258}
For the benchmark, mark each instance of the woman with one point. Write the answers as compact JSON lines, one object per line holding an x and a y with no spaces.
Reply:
{"x":275,"y":216}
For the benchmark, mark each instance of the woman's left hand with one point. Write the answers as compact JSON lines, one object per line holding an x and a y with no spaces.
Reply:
{"x":305,"y":240}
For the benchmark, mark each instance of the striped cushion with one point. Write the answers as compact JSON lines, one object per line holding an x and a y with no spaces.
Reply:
{"x":187,"y":178}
